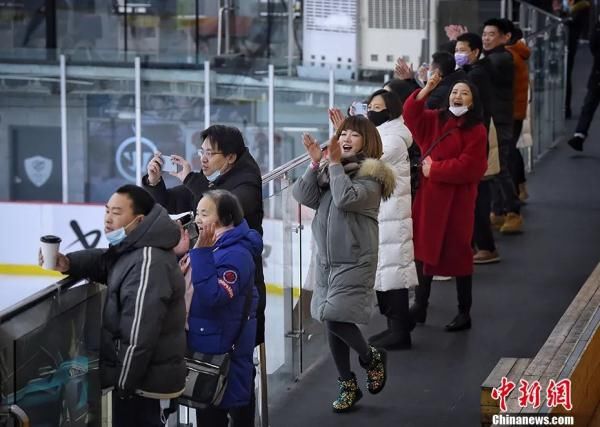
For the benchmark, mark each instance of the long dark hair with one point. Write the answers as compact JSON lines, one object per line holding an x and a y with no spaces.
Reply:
{"x":475,"y":114}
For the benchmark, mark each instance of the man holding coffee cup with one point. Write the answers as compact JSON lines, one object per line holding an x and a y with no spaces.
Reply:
{"x":143,"y":331}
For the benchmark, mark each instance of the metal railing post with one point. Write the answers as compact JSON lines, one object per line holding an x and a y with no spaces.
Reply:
{"x":206,"y":94}
{"x":63,"y":130}
{"x":138,"y":122}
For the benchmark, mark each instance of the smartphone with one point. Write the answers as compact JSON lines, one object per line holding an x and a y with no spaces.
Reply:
{"x":359,"y":108}
{"x":188,"y":224}
{"x":168,"y":165}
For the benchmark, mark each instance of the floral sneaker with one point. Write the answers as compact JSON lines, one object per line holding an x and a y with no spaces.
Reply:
{"x":349,"y":395}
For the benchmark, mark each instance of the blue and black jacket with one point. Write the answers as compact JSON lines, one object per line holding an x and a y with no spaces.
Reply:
{"x":221,"y":276}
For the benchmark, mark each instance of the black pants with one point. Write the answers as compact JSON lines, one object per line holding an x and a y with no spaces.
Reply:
{"x":463,"y":290}
{"x":517,"y":165}
{"x":505,"y":198}
{"x":242,"y":416}
{"x":393,"y":304}
{"x":136,"y":411}
{"x":573,"y":44}
{"x":590,"y":104}
{"x":343,"y":336}
{"x":483,"y":238}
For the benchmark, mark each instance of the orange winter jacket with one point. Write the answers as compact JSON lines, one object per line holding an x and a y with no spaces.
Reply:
{"x":520,"y":52}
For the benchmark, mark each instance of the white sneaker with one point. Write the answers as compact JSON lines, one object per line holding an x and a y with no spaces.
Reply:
{"x":442,"y":278}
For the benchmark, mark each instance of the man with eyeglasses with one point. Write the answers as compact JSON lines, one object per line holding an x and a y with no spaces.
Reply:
{"x":227,"y":165}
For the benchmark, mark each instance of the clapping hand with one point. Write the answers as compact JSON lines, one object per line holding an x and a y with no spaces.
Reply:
{"x":312,"y":147}
{"x":453,"y":31}
{"x":402,"y":70}
{"x":207,"y":237}
{"x":336,"y":117}
{"x":335,"y":151}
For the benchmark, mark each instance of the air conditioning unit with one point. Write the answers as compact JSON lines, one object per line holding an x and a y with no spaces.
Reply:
{"x":330,"y":39}
{"x":350,"y":36}
{"x":390,"y":29}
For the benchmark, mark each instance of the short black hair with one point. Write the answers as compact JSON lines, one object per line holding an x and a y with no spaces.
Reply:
{"x":516,"y":35}
{"x":445,"y":61}
{"x":229,"y":209}
{"x":401,"y":88}
{"x":473,"y":40}
{"x":505,"y":26}
{"x":474,"y":116}
{"x":392,"y":102}
{"x":227,"y":139}
{"x":141,"y":201}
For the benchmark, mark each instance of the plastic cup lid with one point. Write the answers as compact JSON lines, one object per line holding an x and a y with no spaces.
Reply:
{"x":50,"y":239}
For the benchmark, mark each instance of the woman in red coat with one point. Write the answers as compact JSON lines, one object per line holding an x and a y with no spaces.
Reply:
{"x":453,"y":141}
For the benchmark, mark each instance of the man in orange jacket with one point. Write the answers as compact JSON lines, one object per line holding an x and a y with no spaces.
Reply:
{"x":520,"y":53}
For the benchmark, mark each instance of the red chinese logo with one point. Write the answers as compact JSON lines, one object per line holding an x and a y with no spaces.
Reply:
{"x":502,"y":392}
{"x":530,"y":394}
{"x":559,"y":393}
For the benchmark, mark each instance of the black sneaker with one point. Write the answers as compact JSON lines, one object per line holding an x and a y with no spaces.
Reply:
{"x":576,"y":143}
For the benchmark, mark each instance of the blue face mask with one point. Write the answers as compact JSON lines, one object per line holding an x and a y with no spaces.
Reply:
{"x":213,"y":177}
{"x":117,"y":236}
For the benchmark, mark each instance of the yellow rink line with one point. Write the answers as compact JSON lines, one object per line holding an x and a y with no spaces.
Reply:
{"x":34,"y":270}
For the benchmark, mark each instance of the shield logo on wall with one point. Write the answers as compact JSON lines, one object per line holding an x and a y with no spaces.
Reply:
{"x":38,"y":169}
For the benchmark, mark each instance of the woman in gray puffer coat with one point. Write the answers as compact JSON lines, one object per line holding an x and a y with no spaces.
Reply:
{"x":346,"y":191}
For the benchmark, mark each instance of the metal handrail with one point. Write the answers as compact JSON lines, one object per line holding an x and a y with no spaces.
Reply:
{"x":543,"y":12}
{"x":534,"y":35}
{"x":37,"y":297}
{"x":285,"y":168}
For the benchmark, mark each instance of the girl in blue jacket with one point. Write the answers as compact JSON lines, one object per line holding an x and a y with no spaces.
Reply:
{"x":222,"y":270}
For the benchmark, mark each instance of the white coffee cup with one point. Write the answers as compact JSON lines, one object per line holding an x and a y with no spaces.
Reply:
{"x":49,"y":245}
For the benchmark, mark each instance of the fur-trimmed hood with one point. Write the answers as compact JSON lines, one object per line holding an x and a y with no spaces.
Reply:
{"x":381,"y":172}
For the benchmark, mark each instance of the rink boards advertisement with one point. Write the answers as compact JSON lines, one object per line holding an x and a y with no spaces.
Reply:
{"x":80,"y":226}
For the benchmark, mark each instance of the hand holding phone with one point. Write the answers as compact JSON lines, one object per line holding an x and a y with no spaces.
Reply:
{"x":168,"y":165}
{"x":359,"y":108}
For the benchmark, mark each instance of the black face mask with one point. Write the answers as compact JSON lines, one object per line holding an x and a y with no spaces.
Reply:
{"x":378,"y":117}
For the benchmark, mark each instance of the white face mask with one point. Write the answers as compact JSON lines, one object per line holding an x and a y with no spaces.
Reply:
{"x":459,"y":111}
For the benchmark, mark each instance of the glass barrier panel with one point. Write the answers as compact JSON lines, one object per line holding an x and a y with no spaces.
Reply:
{"x":57,"y":374}
{"x":30,"y":152}
{"x":90,"y":31}
{"x":278,"y":265}
{"x":101,"y":132}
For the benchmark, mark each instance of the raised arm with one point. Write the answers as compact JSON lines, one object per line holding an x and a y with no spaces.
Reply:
{"x":306,"y":190}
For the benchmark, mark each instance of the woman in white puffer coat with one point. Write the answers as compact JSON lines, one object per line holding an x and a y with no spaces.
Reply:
{"x":396,"y":271}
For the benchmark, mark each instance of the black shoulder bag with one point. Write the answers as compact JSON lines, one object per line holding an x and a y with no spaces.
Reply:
{"x":207,"y":374}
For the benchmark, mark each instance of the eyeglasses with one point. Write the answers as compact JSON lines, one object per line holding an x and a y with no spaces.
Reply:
{"x":207,"y":153}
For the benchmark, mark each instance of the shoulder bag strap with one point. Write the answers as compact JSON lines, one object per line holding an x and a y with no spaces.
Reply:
{"x":436,"y":142}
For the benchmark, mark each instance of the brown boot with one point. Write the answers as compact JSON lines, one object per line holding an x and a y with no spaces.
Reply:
{"x":513,"y":224}
{"x":485,"y":257}
{"x":497,"y":221}
{"x":523,"y":194}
